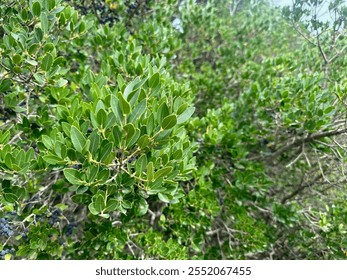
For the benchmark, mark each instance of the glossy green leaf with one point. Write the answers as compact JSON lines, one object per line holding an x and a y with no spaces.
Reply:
{"x":141,"y":207}
{"x":163,"y":111}
{"x":185,"y":115}
{"x":44,"y":22}
{"x":110,"y":120}
{"x":117,"y":135}
{"x":103,"y":175}
{"x":131,"y":142}
{"x":73,"y":176}
{"x":112,"y":204}
{"x":124,"y":105}
{"x":129,"y":131}
{"x":47,"y":62}
{"x":143,"y":141}
{"x":101,"y":118}
{"x":38,"y":34}
{"x":154,"y":80}
{"x":163,"y":197}
{"x":116,"y":109}
{"x":141,"y":164}
{"x":92,"y":209}
{"x":47,"y":141}
{"x":163,"y":172}
{"x":36,"y":9}
{"x":99,"y":202}
{"x":128,"y":89}
{"x":94,"y":142}
{"x":77,"y":138}
{"x":82,"y":27}
{"x":169,"y":122}
{"x":150,"y":171}
{"x":5,"y":85}
{"x":92,"y":172}
{"x":138,"y":111}
{"x":105,"y":150}
{"x":150,"y":124}
{"x":52,"y":159}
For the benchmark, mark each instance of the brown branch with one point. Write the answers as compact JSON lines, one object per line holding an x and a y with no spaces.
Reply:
{"x":308,"y":139}
{"x":300,"y":189}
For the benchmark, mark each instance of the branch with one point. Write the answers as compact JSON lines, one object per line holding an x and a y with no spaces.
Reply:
{"x":300,"y":189}
{"x":308,"y":139}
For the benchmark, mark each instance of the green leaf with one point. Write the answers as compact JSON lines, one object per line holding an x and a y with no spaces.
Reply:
{"x":60,"y":83}
{"x":150,"y":124}
{"x":77,"y":138}
{"x":92,"y":209}
{"x":17,"y":58}
{"x":177,"y":154}
{"x":81,"y":198}
{"x":129,"y":131}
{"x":150,"y":171}
{"x":94,"y":142}
{"x":163,"y":111}
{"x":47,"y":62}
{"x":52,"y":159}
{"x":50,"y":4}
{"x":73,"y":176}
{"x":49,"y":47}
{"x":33,"y":49}
{"x":66,"y":128}
{"x":141,"y":207}
{"x":44,"y":22}
{"x":138,"y":111}
{"x":47,"y":141}
{"x":156,"y":187}
{"x":163,"y":172}
{"x":326,"y":111}
{"x":169,"y":122}
{"x":105,"y":150}
{"x":31,"y":62}
{"x":116,"y":109}
{"x":39,"y":78}
{"x":124,"y":105}
{"x":38,"y":34}
{"x":141,"y":164}
{"x":110,"y":120}
{"x":101,"y":118}
{"x":163,"y":197}
{"x":103,"y":175}
{"x":182,"y":108}
{"x":36,"y":9}
{"x":82,"y":27}
{"x":5,"y":85}
{"x":143,"y":141}
{"x":99,"y":201}
{"x":154,"y":80}
{"x":111,"y":205}
{"x":10,"y":197}
{"x":185,"y":115}
{"x":92,"y":171}
{"x":117,"y":135}
{"x":129,"y":88}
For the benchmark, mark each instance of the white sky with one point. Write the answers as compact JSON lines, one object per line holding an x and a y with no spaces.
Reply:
{"x":324,"y":13}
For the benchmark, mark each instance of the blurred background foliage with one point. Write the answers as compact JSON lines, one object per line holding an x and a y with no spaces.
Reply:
{"x":267,"y":148}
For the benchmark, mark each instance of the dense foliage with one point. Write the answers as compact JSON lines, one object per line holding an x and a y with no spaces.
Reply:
{"x":172,"y":130}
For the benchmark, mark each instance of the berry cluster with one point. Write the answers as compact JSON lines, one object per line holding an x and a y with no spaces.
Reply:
{"x":54,"y":217}
{"x":69,"y":228}
{"x":5,"y":228}
{"x":6,"y":251}
{"x":103,"y":12}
